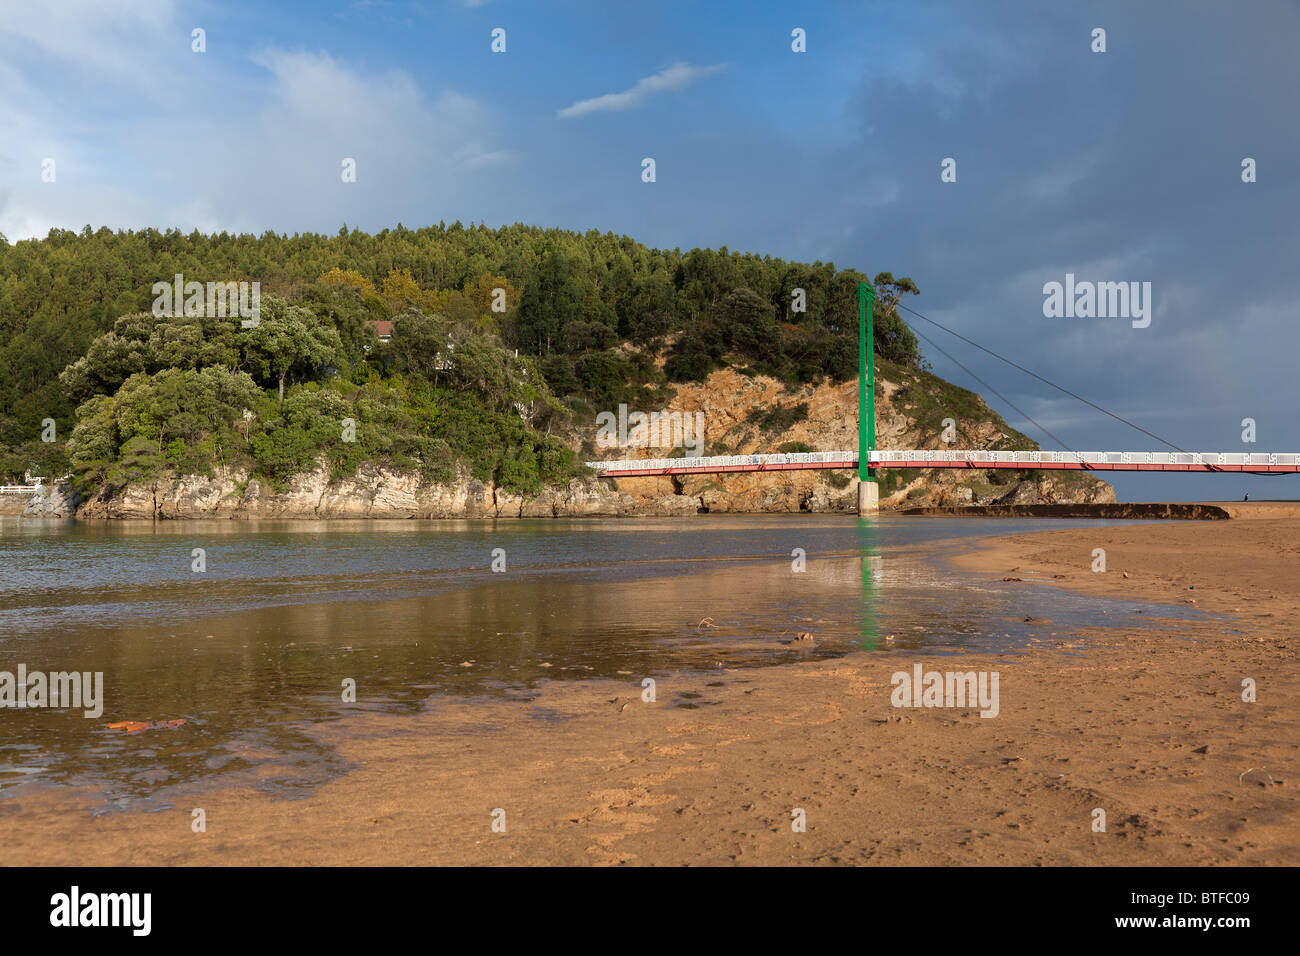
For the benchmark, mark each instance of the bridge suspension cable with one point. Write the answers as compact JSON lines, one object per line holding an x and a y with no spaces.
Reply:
{"x":1062,"y":388}
{"x":990,"y":388}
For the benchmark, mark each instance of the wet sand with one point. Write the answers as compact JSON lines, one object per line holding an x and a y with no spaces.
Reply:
{"x":1147,"y":724}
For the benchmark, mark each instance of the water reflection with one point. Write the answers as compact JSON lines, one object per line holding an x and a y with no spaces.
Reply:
{"x":257,"y":648}
{"x":871,"y":573}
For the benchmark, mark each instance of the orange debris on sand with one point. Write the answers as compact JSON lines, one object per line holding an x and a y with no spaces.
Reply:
{"x":134,"y":726}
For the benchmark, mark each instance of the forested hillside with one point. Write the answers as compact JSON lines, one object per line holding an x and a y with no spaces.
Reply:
{"x":546,"y":327}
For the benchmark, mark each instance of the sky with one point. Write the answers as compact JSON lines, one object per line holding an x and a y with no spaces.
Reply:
{"x":1115,"y":166}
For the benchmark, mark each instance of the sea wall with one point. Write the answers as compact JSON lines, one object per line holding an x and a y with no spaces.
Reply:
{"x":1143,"y":511}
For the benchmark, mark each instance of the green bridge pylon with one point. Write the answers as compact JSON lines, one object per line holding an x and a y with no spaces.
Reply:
{"x":868,"y":490}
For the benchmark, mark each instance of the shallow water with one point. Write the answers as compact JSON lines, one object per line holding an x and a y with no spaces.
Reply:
{"x":256,"y":646}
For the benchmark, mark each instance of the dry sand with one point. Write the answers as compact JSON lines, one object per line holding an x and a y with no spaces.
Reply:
{"x":1147,"y":724}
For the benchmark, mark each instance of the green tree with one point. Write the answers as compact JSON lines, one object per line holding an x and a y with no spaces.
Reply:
{"x":748,"y":323}
{"x":893,"y":339}
{"x":302,"y":429}
{"x":288,"y":340}
{"x":420,"y":344}
{"x":550,"y":301}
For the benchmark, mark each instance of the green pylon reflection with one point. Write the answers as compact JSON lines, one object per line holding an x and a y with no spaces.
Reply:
{"x":871,"y":574}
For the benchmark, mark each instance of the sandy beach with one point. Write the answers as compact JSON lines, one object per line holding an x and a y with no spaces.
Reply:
{"x":1146,"y":723}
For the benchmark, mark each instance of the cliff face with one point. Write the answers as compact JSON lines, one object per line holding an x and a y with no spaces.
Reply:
{"x":742,"y":415}
{"x":50,"y":501}
{"x":375,"y":492}
{"x":910,"y":411}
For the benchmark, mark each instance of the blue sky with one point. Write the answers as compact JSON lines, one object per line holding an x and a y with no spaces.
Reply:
{"x":1115,"y":166}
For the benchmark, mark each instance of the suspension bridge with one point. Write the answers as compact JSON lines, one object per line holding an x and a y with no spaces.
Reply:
{"x":1261,"y":463}
{"x":1265,"y":463}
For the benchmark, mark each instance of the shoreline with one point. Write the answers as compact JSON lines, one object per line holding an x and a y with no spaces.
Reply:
{"x":1145,"y":722}
{"x":1121,"y":511}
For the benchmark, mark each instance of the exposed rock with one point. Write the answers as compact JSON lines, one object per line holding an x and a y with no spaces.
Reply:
{"x":52,"y":501}
{"x":374,"y":492}
{"x":731,"y":404}
{"x":1049,"y":490}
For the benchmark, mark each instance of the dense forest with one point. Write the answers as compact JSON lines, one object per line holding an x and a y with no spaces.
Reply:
{"x":501,"y":340}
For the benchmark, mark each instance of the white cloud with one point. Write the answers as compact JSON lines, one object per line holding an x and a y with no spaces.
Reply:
{"x":121,"y":40}
{"x":676,"y":77}
{"x":321,"y":111}
{"x":265,"y":153}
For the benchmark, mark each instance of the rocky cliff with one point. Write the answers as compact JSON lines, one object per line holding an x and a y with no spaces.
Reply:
{"x":49,"y":501}
{"x":741,"y":415}
{"x":374,"y":492}
{"x":756,"y":415}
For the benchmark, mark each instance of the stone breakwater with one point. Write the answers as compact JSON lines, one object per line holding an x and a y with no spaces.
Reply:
{"x":1138,"y":511}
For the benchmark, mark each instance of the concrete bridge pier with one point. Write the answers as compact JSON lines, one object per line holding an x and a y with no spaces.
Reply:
{"x":868,"y":498}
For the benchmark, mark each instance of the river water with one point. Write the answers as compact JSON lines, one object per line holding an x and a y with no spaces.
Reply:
{"x":258,"y":644}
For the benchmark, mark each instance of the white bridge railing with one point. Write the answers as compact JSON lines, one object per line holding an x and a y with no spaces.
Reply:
{"x":37,"y":483}
{"x":1087,"y":457}
{"x":728,"y":461}
{"x":955,"y":458}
